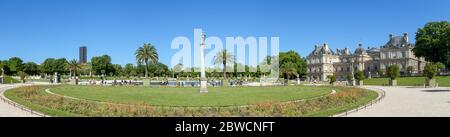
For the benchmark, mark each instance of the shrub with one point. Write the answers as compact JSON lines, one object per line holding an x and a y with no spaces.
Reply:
{"x":359,"y":75}
{"x":332,"y":78}
{"x":430,"y":70}
{"x":393,"y":72}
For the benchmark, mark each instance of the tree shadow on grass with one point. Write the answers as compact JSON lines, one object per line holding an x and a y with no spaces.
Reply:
{"x":436,"y":90}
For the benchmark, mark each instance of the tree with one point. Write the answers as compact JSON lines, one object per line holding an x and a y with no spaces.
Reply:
{"x":129,"y":68}
{"x":22,"y":76}
{"x":393,"y":72}
{"x":15,"y":65}
{"x":146,"y":54}
{"x":47,"y":66}
{"x":430,"y":70}
{"x":332,"y":79}
{"x":298,"y":63}
{"x":102,"y":63}
{"x":73,"y":66}
{"x":289,"y":70}
{"x":52,"y":65}
{"x":433,"y":42}
{"x":224,"y":57}
{"x":440,"y":66}
{"x":31,"y":68}
{"x":359,"y":75}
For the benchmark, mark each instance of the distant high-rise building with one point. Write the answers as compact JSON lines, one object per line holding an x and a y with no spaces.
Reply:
{"x":83,"y":55}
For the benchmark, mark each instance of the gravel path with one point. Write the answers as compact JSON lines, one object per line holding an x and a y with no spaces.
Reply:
{"x":7,"y":110}
{"x":410,"y":102}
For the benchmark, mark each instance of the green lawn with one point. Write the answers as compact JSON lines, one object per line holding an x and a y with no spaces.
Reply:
{"x":263,"y":99}
{"x":408,"y":81}
{"x":10,"y":80}
{"x":190,"y":96}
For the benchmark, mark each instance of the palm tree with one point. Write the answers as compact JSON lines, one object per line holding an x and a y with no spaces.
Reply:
{"x":288,"y":69}
{"x":147,"y":53}
{"x":223,"y":57}
{"x":73,"y":66}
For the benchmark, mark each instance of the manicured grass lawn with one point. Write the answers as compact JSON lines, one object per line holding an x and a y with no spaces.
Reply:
{"x":190,"y":96}
{"x":408,"y":81}
{"x":10,"y":80}
{"x":346,"y":98}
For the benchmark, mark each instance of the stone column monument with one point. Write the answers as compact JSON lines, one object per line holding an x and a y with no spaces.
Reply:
{"x":203,"y":80}
{"x":1,"y":76}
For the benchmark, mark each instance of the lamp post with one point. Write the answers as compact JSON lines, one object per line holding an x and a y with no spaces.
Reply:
{"x":203,"y":80}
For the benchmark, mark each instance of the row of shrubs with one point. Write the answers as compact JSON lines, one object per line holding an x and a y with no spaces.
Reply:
{"x":35,"y":95}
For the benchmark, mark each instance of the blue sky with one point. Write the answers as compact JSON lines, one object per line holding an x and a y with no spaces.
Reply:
{"x":36,"y":30}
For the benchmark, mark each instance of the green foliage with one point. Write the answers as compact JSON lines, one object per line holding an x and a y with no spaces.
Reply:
{"x":31,"y":68}
{"x":73,"y":66}
{"x":393,"y":72}
{"x":289,"y":69}
{"x":332,"y":78}
{"x":292,"y":64}
{"x":430,"y":70}
{"x":52,"y":65}
{"x":359,"y":75}
{"x":433,"y":42}
{"x":22,"y":75}
{"x":440,"y":65}
{"x":147,"y":54}
{"x":349,"y":77}
{"x":224,"y":57}
{"x":102,"y":63}
{"x":15,"y":64}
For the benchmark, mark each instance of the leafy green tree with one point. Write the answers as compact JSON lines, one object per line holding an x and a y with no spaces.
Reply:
{"x":15,"y":65}
{"x":430,"y":70}
{"x":31,"y":68}
{"x":128,"y":70}
{"x":332,"y":79}
{"x":349,"y":77}
{"x":440,"y":66}
{"x":433,"y":42}
{"x":393,"y":72}
{"x":146,"y":54}
{"x":102,"y":63}
{"x":117,"y":70}
{"x":359,"y":75}
{"x":22,"y":76}
{"x":52,"y":65}
{"x":294,"y":60}
{"x":224,"y":57}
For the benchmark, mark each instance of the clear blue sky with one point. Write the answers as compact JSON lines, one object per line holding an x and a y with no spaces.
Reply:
{"x":38,"y":29}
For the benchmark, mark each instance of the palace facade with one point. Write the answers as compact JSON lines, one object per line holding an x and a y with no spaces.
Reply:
{"x":342,"y":63}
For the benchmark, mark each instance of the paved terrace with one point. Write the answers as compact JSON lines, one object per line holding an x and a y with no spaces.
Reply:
{"x":409,"y":102}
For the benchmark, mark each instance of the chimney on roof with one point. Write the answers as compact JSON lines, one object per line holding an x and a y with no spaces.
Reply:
{"x":315,"y":46}
{"x":360,"y":44}
{"x":391,"y":36}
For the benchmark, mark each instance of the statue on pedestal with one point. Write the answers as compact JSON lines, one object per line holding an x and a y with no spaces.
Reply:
{"x":55,"y":78}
